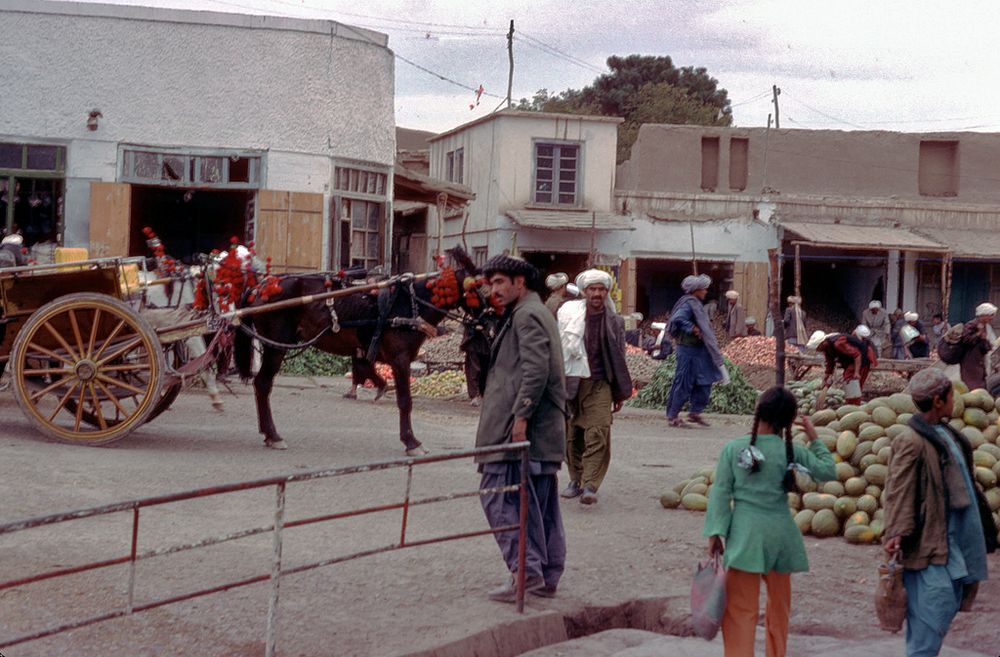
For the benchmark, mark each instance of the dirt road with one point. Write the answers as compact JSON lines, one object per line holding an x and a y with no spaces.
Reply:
{"x":623,"y":548}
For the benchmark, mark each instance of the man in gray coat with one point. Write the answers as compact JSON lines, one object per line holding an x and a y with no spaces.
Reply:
{"x":525,"y":398}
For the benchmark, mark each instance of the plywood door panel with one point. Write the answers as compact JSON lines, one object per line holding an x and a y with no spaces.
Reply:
{"x":305,"y":239}
{"x":290,"y":228}
{"x":110,"y":207}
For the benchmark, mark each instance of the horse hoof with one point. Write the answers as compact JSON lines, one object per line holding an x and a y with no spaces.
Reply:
{"x":380,"y":393}
{"x":276,"y":444}
{"x":417,"y":451}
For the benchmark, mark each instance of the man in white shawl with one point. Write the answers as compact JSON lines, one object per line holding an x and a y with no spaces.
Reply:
{"x":597,"y":381}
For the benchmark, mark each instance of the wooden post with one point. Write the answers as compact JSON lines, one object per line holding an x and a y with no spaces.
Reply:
{"x":774,"y":255}
{"x":946,"y":272}
{"x":798,"y":272}
{"x":593,"y":240}
{"x":694,"y":257}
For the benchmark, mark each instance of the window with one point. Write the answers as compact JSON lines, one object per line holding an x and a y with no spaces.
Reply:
{"x":556,"y":174}
{"x":360,"y":181}
{"x":360,"y":233}
{"x":739,"y":149}
{"x":937,"y":173}
{"x":32,"y":181}
{"x":32,"y":157}
{"x":479,"y":255}
{"x":455,"y":166}
{"x":165,"y":168}
{"x":709,"y":163}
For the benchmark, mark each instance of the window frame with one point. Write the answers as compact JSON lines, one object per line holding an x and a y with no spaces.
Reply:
{"x":557,"y":145}
{"x":455,"y":165}
{"x":348,"y":179}
{"x":192,"y":168}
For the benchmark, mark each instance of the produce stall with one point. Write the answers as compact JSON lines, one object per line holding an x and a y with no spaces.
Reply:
{"x":802,"y":364}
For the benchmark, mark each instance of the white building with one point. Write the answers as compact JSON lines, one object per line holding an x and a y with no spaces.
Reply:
{"x":201,"y":125}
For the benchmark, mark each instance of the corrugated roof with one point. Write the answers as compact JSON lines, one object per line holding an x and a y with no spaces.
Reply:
{"x":977,"y":244}
{"x":568,"y":220}
{"x":860,"y":237}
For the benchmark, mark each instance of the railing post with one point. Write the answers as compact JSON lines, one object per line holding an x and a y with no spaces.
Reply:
{"x":131,"y":562}
{"x":406,"y":505}
{"x":272,"y":607}
{"x":522,"y":531}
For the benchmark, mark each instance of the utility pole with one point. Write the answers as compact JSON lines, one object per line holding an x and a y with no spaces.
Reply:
{"x":775,"y":90}
{"x":510,"y":58}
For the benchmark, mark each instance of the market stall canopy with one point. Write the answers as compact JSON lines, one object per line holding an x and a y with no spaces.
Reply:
{"x":562,"y":220}
{"x":967,"y":244}
{"x":408,"y":185}
{"x":851,"y":236}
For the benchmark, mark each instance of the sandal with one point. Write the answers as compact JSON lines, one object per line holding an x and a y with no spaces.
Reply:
{"x":697,"y":419}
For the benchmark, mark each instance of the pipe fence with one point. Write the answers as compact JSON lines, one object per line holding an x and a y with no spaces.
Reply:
{"x":277,"y":570}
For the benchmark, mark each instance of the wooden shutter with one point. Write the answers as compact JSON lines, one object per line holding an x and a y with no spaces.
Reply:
{"x":290,"y":229}
{"x":110,"y":208}
{"x":755,"y":291}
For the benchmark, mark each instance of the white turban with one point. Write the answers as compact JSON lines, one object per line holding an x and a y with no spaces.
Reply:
{"x":751,"y":320}
{"x":593,"y":277}
{"x":573,"y":290}
{"x":794,"y":300}
{"x":13,"y":238}
{"x":911,"y":316}
{"x":863,"y":331}
{"x":732,"y":294}
{"x":815,"y":339}
{"x":985,"y":309}
{"x":875,"y":304}
{"x":556,"y":281}
{"x":694,"y":283}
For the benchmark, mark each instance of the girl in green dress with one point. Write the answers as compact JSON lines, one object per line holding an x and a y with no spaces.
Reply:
{"x":748,"y":520}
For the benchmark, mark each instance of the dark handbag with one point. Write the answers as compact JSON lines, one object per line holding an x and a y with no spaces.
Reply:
{"x":986,"y":517}
{"x":951,"y":353}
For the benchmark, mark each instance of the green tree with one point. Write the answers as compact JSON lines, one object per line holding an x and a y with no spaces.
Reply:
{"x":642,"y":89}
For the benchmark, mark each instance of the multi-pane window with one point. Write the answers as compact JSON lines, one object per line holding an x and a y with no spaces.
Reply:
{"x":32,"y":157}
{"x":455,"y":166}
{"x":360,"y":181}
{"x":360,"y":233}
{"x":32,"y":180}
{"x":557,"y":174}
{"x":232,"y":170}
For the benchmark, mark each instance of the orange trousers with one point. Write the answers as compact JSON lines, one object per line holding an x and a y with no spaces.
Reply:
{"x":739,"y":623}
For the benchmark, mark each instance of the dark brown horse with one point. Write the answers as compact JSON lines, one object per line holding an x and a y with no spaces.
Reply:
{"x":408,"y":311}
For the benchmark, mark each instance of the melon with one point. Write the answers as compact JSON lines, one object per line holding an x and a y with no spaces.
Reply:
{"x":818,"y":501}
{"x":847,"y":409}
{"x":824,"y":523}
{"x":845,"y":506}
{"x":990,"y":449}
{"x":974,"y":435}
{"x":960,"y":387}
{"x":867,"y":503}
{"x":697,"y":481}
{"x":902,"y":403}
{"x":803,"y":520}
{"x":895,"y":430}
{"x":985,"y":399}
{"x":823,"y":418}
{"x":970,"y":399}
{"x":877,"y":525}
{"x":694,"y":502}
{"x":871,"y":433}
{"x":884,"y":416}
{"x":858,"y":518}
{"x":861,"y":451}
{"x":834,"y":426}
{"x":984,"y":459}
{"x":874,"y":491}
{"x":993,"y":499}
{"x":855,"y":486}
{"x":904,"y":418}
{"x":867,"y":460}
{"x":859,"y":534}
{"x":670,"y":500}
{"x":957,"y":424}
{"x":680,"y":486}
{"x":852,"y":421}
{"x":794,"y":501}
{"x":959,"y":408}
{"x":846,"y":442}
{"x":991,"y":433}
{"x":845,"y":471}
{"x":884,"y":441}
{"x":884,"y":455}
{"x":834,"y":488}
{"x":879,"y":514}
{"x":975,"y":417}
{"x":830,"y":441}
{"x":986,"y":477}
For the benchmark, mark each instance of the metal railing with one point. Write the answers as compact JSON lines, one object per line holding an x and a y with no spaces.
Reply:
{"x":277,"y":528}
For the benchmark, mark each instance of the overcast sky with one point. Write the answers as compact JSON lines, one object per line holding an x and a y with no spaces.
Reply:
{"x":850,"y":64}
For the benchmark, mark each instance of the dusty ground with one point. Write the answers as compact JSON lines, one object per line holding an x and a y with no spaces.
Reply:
{"x":625,"y":547}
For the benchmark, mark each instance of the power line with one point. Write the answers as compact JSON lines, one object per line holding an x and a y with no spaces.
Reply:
{"x":558,"y":52}
{"x":822,"y":113}
{"x":541,"y":49}
{"x":759,"y":96}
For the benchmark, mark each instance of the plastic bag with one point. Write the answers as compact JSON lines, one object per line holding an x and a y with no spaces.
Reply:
{"x":708,"y":597}
{"x":890,"y":596}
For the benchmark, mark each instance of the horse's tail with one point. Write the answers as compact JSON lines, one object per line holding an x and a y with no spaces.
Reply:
{"x":243,"y":351}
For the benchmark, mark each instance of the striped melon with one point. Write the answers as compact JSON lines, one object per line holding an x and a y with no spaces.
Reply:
{"x":974,"y":435}
{"x":859,"y":534}
{"x":858,"y":518}
{"x":902,"y":403}
{"x":818,"y":501}
{"x":670,"y":500}
{"x":975,"y":417}
{"x":834,"y":488}
{"x":803,"y":520}
{"x":847,"y":409}
{"x":846,"y":442}
{"x":867,"y":503}
{"x":852,"y":421}
{"x":884,"y":416}
{"x":986,"y":477}
{"x":845,"y":471}
{"x":871,"y":433}
{"x":855,"y":486}
{"x":824,"y":523}
{"x":694,"y":502}
{"x":845,"y":506}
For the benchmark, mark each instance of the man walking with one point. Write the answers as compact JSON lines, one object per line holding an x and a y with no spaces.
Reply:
{"x":556,"y":283}
{"x":524,"y":399}
{"x":878,"y":321}
{"x":597,"y":383}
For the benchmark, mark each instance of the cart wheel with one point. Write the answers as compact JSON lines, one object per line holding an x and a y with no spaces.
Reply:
{"x":87,"y":369}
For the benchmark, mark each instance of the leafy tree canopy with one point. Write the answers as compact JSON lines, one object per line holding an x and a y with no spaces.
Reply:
{"x":642,"y":89}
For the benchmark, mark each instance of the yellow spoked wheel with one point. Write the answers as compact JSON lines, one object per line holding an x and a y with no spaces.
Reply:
{"x":87,"y":369}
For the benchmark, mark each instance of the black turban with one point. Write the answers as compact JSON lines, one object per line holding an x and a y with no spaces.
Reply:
{"x":510,"y":266}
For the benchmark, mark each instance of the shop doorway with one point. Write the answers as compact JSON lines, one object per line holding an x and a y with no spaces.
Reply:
{"x":189,"y":221}
{"x":658,"y":284}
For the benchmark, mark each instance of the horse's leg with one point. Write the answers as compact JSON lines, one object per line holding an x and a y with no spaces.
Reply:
{"x":262,"y":384}
{"x":400,"y":364}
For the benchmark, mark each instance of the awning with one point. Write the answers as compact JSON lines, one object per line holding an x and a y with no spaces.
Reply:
{"x":850,"y":236}
{"x":969,"y":244}
{"x":406,"y":208}
{"x":570,"y":220}
{"x":408,"y":185}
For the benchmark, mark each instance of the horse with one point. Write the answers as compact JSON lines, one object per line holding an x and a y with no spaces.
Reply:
{"x":404,"y":315}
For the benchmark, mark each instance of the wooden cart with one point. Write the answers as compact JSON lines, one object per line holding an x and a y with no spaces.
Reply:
{"x":86,"y":366}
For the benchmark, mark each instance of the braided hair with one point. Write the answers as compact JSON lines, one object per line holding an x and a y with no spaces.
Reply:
{"x":777,"y":407}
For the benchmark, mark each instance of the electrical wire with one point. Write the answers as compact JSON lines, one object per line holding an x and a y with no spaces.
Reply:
{"x":822,"y":113}
{"x":538,"y":43}
{"x":752,"y":100}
